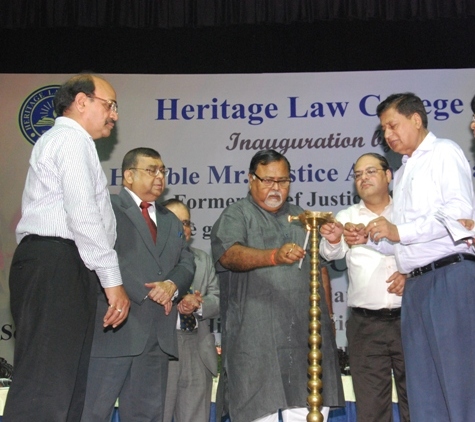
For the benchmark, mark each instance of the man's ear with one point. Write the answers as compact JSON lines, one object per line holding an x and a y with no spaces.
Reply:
{"x":389,"y":175}
{"x":80,"y":101}
{"x":416,"y":118}
{"x":129,"y":176}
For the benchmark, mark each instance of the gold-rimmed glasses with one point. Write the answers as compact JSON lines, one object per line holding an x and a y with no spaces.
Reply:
{"x":110,"y":104}
{"x":371,"y":172}
{"x":154,"y":172}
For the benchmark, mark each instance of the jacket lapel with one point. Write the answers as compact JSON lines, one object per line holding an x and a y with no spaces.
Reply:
{"x":199,"y":272}
{"x":163,"y":228}
{"x":132,"y":211}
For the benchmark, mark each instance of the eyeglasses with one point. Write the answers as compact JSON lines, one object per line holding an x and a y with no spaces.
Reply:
{"x":283,"y":183}
{"x":368,"y":172}
{"x":187,"y":223}
{"x":110,"y":104}
{"x":154,"y":173}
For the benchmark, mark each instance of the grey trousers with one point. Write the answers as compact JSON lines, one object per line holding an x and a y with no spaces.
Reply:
{"x":188,"y":397}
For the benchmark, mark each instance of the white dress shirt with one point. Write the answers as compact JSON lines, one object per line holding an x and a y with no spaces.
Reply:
{"x":66,"y":196}
{"x":436,"y":176}
{"x":368,"y":270}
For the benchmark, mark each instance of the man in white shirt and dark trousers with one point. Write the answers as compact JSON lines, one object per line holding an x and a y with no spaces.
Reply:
{"x":66,"y":234}
{"x":374,"y":297}
{"x":437,"y":318}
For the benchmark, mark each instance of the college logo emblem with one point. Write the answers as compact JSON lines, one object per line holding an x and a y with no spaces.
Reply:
{"x":37,"y":113}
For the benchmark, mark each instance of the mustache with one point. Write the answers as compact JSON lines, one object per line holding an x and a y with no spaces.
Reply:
{"x":274,"y":193}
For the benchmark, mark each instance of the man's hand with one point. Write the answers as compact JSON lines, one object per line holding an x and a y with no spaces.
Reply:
{"x":398,"y":281}
{"x":119,"y":305}
{"x":354,"y":234}
{"x":380,"y":228}
{"x":190,"y":303}
{"x":168,"y":307}
{"x":332,"y":232}
{"x":244,"y":258}
{"x":288,"y":254}
{"x":467,"y":223}
{"x":161,"y":292}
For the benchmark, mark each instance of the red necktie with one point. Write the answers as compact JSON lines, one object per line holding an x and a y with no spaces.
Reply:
{"x":151,"y":225}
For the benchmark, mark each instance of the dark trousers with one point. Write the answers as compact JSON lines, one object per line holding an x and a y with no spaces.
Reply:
{"x":53,"y":304}
{"x":140,"y":383}
{"x":374,"y":349}
{"x":438,"y":332}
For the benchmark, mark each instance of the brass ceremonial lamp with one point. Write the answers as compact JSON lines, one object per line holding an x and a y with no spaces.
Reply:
{"x":311,"y":220}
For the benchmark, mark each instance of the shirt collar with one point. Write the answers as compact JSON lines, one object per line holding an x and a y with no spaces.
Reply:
{"x":362,"y":209}
{"x":138,"y":201}
{"x":67,"y":121}
{"x":426,"y":145}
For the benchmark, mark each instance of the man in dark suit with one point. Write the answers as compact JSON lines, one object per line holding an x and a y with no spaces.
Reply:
{"x":131,"y":362}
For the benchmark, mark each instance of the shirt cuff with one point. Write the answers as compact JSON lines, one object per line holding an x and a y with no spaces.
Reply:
{"x":109,"y":277}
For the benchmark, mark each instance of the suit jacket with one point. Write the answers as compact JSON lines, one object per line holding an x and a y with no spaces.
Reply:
{"x":206,"y":281}
{"x":141,"y":261}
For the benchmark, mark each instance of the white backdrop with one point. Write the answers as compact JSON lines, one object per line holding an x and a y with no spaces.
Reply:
{"x":207,"y":128}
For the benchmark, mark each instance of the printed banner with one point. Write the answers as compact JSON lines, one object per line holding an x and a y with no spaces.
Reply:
{"x":207,"y":128}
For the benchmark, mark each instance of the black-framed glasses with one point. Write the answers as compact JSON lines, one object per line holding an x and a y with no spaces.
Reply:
{"x":154,"y":172}
{"x":110,"y":104}
{"x":188,"y":223}
{"x":371,"y":172}
{"x":268,"y":183}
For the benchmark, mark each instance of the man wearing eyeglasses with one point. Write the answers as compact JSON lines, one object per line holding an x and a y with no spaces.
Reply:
{"x":437,"y":317}
{"x":66,"y":235}
{"x":131,"y":362}
{"x":374,"y":297}
{"x":264,"y":302}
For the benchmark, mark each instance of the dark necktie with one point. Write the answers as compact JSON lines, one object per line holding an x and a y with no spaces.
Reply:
{"x":151,"y":225}
{"x":187,"y":322}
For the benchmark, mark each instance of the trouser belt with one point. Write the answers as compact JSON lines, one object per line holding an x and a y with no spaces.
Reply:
{"x":36,"y":238}
{"x":443,"y":262}
{"x":386,"y":313}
